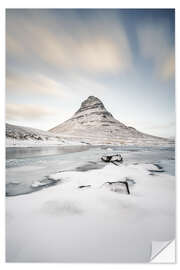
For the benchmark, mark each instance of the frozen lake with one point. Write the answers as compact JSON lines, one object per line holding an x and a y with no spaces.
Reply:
{"x":80,"y":209}
{"x":28,"y":165}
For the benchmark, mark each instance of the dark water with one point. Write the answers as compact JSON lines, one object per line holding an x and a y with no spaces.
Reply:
{"x":26,"y":165}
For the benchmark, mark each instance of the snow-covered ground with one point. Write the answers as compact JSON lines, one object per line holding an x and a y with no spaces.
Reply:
{"x":84,"y":219}
{"x":69,"y":140}
{"x":35,"y":143}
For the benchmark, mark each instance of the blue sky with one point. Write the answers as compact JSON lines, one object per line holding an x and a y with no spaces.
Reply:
{"x":57,"y":58}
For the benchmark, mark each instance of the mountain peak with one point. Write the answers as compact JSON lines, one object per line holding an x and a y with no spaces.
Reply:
{"x":92,"y":99}
{"x":91,"y":102}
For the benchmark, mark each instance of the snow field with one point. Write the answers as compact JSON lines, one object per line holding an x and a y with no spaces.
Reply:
{"x":66,"y":224}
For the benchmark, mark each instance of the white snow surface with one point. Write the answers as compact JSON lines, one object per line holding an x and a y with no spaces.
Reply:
{"x":64,"y":223}
{"x":35,"y":143}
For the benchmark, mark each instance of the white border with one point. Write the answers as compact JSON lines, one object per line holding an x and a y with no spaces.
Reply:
{"x":71,"y":4}
{"x":2,"y":137}
{"x":89,"y":4}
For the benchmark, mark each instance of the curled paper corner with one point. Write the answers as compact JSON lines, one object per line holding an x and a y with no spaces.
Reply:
{"x":163,"y":252}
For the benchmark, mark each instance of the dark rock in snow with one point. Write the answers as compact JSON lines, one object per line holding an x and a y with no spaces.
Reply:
{"x":84,"y":186}
{"x":112,"y":158}
{"x":117,"y":186}
{"x":159,"y":169}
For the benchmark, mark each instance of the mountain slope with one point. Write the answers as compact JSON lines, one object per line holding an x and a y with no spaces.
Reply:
{"x":94,"y":123}
{"x":23,"y":136}
{"x":24,"y":133}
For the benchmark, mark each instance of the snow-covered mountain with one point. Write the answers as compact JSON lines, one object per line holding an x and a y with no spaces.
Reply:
{"x":94,"y":124}
{"x":23,"y":133}
{"x":23,"y":136}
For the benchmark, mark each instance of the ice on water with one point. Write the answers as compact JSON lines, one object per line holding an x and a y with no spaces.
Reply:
{"x":96,"y":223}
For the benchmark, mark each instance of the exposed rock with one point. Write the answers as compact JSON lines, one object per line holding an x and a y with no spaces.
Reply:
{"x":113,"y":159}
{"x":84,"y":186}
{"x":159,"y":169}
{"x":118,"y":186}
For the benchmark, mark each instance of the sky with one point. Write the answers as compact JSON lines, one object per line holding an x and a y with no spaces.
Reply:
{"x":56,"y":58}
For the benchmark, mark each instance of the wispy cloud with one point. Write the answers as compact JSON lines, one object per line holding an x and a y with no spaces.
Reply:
{"x":28,"y":111}
{"x":34,"y":83}
{"x":156,"y":45}
{"x":92,"y":45}
{"x":168,"y":67}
